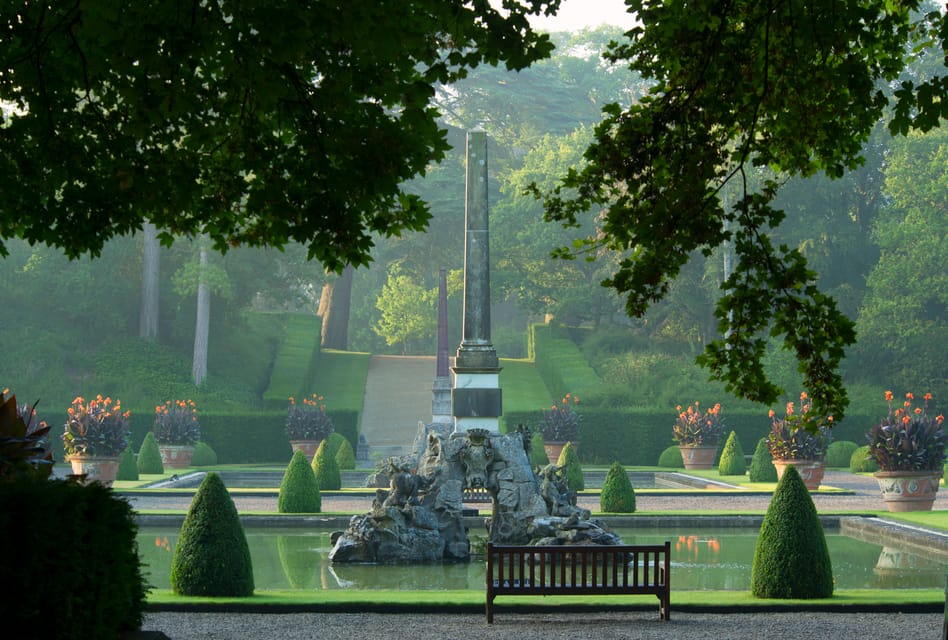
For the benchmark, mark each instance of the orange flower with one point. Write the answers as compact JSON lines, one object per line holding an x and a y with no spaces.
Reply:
{"x":909,"y":396}
{"x":888,"y":396}
{"x":803,"y":395}
{"x":771,"y":413}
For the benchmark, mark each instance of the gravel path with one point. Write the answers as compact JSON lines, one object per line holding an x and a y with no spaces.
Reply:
{"x":548,"y":626}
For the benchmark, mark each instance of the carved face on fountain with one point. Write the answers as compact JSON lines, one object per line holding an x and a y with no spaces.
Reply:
{"x":475,"y":457}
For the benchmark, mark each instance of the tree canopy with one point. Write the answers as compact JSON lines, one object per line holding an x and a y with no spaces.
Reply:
{"x":257,"y":123}
{"x":746,"y":94}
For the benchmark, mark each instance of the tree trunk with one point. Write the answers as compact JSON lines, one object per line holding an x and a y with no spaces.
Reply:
{"x":202,"y":323}
{"x":334,"y":304}
{"x":148,"y":318}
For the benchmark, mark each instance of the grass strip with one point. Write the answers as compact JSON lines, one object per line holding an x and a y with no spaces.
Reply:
{"x":413,"y":601}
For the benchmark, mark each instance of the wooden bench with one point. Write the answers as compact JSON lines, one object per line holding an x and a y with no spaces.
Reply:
{"x":579,"y":570}
{"x":476,"y":495}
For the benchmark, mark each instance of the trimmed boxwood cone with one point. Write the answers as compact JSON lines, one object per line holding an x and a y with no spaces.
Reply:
{"x":299,"y":491}
{"x":345,"y":456}
{"x":791,"y":559}
{"x":574,"y":470}
{"x":326,"y":469}
{"x":211,"y":557}
{"x":732,"y":457}
{"x":617,"y":495}
{"x":538,"y":457}
{"x":762,"y":467}
{"x":149,"y":457}
{"x":128,"y":466}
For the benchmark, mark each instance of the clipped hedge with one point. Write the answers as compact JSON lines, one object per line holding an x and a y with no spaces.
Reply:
{"x":149,"y":457}
{"x":732,"y":457}
{"x":211,"y":557}
{"x":128,"y":466}
{"x":299,"y":490}
{"x":861,"y":462}
{"x":671,"y":458}
{"x":617,"y":495}
{"x":839,"y":453}
{"x":791,"y":559}
{"x":574,"y":470}
{"x":77,"y":574}
{"x":203,"y":456}
{"x":327,"y":471}
{"x":638,"y":436}
{"x":762,"y":467}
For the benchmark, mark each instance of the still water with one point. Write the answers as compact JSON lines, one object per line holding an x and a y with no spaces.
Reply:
{"x":712,"y":559}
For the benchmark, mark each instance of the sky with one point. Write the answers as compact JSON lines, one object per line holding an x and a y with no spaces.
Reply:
{"x":580,"y":14}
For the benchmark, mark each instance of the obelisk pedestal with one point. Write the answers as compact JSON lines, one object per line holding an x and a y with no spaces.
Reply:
{"x":476,"y":397}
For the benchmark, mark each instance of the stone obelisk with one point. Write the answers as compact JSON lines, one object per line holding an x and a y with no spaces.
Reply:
{"x":476,"y":396}
{"x":441,"y":391}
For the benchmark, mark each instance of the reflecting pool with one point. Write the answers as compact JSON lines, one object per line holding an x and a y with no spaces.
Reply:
{"x":711,"y":559}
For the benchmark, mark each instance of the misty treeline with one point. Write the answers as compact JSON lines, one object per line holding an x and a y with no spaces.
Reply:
{"x":876,"y":237}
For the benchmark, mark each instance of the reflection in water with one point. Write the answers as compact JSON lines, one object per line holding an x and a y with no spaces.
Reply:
{"x":712,"y":559}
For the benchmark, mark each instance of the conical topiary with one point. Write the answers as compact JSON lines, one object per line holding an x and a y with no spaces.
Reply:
{"x":149,"y":458}
{"x":574,"y":470}
{"x":299,"y":491}
{"x":326,"y":469}
{"x":335,"y":441}
{"x":203,"y":455}
{"x":617,"y":495}
{"x":538,"y":457}
{"x":211,"y":557}
{"x":128,"y":466}
{"x":345,"y":456}
{"x":762,"y":467}
{"x":791,"y":559}
{"x":671,"y":458}
{"x":732,"y":461}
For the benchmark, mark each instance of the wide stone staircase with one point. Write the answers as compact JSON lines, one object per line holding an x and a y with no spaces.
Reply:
{"x":397,"y":397}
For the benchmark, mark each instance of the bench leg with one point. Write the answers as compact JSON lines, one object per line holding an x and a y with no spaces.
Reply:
{"x":490,"y":611}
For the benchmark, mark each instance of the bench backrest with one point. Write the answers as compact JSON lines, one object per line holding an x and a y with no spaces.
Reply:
{"x":578,"y":568}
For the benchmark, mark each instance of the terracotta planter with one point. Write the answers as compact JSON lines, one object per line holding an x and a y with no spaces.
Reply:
{"x":811,"y":471}
{"x":553,"y":449}
{"x":698,"y":456}
{"x":100,"y":469}
{"x":308,"y":447}
{"x":175,"y":456}
{"x":908,"y":490}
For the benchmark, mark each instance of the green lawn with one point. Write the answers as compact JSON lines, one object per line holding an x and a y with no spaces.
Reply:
{"x":361,"y":600}
{"x":524,"y":389}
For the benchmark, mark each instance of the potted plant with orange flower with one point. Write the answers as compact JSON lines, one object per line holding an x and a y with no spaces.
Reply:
{"x":308,"y":424}
{"x":96,"y":433}
{"x":909,"y":447}
{"x":698,"y":435}
{"x":800,"y":439}
{"x":558,"y":425}
{"x":177,"y":431}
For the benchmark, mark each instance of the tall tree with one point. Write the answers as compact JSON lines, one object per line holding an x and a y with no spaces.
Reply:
{"x":151,"y":272}
{"x":903,"y":323}
{"x":334,"y":304}
{"x":257,"y":122}
{"x":792,"y":86}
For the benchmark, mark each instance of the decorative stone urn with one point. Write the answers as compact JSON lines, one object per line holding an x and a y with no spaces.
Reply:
{"x":94,"y":468}
{"x":175,"y":456}
{"x":308,"y":447}
{"x":553,"y":449}
{"x":698,"y":456}
{"x":908,"y":490}
{"x":811,"y":471}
